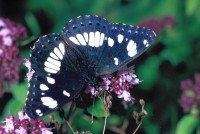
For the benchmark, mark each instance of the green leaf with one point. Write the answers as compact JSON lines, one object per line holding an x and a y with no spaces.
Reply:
{"x":151,"y":128}
{"x":25,"y":54}
{"x":98,"y":109}
{"x":32,"y":23}
{"x":12,"y":107}
{"x":27,"y":41}
{"x":191,"y":6}
{"x":187,"y":124}
{"x":114,"y":120}
{"x":19,"y":91}
{"x":149,"y":72}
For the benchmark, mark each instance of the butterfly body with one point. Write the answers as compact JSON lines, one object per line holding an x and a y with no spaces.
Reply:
{"x":88,"y":48}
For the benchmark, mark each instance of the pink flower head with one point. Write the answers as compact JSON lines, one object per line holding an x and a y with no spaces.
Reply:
{"x":46,"y":131}
{"x":9,"y":124}
{"x":10,"y":60}
{"x":22,"y":116}
{"x":126,"y":95}
{"x":190,"y":97}
{"x":23,"y":125}
{"x":21,"y":130}
{"x":118,"y":83}
{"x":158,"y":25}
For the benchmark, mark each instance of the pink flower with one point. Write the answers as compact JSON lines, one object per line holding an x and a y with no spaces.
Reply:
{"x":118,"y":83}
{"x":190,"y":97}
{"x":46,"y":131}
{"x":9,"y":124}
{"x":21,"y":130}
{"x":30,"y":70}
{"x":10,"y":60}
{"x":126,"y":95}
{"x":23,"y":125}
{"x":158,"y":24}
{"x":22,"y":116}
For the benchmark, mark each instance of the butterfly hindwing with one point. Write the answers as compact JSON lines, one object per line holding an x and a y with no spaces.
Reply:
{"x":55,"y":80}
{"x":48,"y":93}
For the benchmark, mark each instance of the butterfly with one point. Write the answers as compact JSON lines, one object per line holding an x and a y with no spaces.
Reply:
{"x":89,"y":47}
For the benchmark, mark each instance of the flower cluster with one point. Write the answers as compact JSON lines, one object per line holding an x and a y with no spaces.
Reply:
{"x":190,"y":97}
{"x":9,"y":53}
{"x":158,"y":25}
{"x":24,"y":125}
{"x":118,"y":83}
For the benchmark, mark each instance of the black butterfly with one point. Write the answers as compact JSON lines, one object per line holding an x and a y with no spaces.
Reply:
{"x":88,"y":48}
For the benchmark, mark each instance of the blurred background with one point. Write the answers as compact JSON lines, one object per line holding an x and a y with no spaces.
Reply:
{"x":169,"y":69}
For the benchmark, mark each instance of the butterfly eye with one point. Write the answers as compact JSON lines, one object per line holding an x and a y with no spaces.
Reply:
{"x":90,"y":23}
{"x":82,"y":24}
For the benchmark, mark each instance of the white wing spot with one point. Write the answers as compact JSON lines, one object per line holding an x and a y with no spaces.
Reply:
{"x":62,"y":48}
{"x":50,"y":80}
{"x":91,"y":39}
{"x":131,"y":48}
{"x":50,"y":102}
{"x":85,"y":36}
{"x":97,"y":39}
{"x":74,"y":40}
{"x":42,"y":93}
{"x":39,"y":112}
{"x":52,"y":66}
{"x":102,"y":39}
{"x":43,"y":87}
{"x":50,"y":70}
{"x":116,"y":61}
{"x":154,"y":33}
{"x":81,"y":39}
{"x":55,"y":62}
{"x":54,"y":56}
{"x":58,"y":53}
{"x":120,"y":38}
{"x":110,"y":42}
{"x":146,"y":43}
{"x":66,"y":93}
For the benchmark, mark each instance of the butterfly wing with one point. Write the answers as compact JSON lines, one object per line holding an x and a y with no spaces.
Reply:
{"x":88,"y":34}
{"x":106,"y":46}
{"x":125,"y":43}
{"x":55,"y":80}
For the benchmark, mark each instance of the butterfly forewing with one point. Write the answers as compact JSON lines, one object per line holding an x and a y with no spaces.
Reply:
{"x":125,"y":43}
{"x":55,"y":80}
{"x":107,"y":46}
{"x":88,"y":34}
